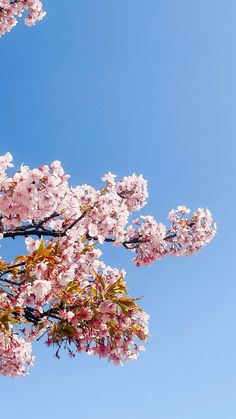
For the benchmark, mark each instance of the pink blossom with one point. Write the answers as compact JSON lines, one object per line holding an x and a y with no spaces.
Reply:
{"x":61,"y":287}
{"x":109,"y":178}
{"x":9,"y":10}
{"x":15,"y":355}
{"x":133,"y":189}
{"x":40,"y":289}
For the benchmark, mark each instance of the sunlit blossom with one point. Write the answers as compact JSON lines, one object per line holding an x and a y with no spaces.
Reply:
{"x":61,"y":288}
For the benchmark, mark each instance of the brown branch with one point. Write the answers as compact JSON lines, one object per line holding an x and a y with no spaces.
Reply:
{"x":9,"y":270}
{"x":10,"y":267}
{"x":39,"y":231}
{"x":34,"y":232}
{"x":38,"y":225}
{"x":8,"y":281}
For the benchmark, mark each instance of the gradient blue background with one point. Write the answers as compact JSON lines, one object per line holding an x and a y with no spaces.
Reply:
{"x":146,"y":87}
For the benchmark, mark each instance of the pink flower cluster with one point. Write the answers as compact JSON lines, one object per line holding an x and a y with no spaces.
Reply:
{"x":148,"y":240}
{"x":96,"y":315}
{"x":15,"y":355}
{"x":153,"y":241}
{"x":133,"y":190}
{"x":11,"y":9}
{"x":61,"y":288}
{"x":188,"y":236}
{"x":30,"y":194}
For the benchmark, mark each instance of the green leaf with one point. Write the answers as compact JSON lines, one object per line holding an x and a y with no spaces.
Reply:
{"x":94,"y":292}
{"x":118,"y":287}
{"x":72,"y":287}
{"x":40,"y":248}
{"x":68,"y":330}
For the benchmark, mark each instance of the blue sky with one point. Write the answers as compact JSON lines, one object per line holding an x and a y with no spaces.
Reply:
{"x":145,"y":87}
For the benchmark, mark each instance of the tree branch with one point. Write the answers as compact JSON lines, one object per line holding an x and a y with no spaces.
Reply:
{"x":37,"y":229}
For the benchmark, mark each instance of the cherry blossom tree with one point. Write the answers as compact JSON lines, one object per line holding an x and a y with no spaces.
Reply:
{"x":60,"y":289}
{"x":10,"y":10}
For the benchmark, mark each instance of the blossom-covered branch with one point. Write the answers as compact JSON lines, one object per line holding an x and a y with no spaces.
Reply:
{"x":10,"y":10}
{"x":60,"y":288}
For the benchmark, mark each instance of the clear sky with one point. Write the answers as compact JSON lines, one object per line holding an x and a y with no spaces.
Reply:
{"x":147,"y":87}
